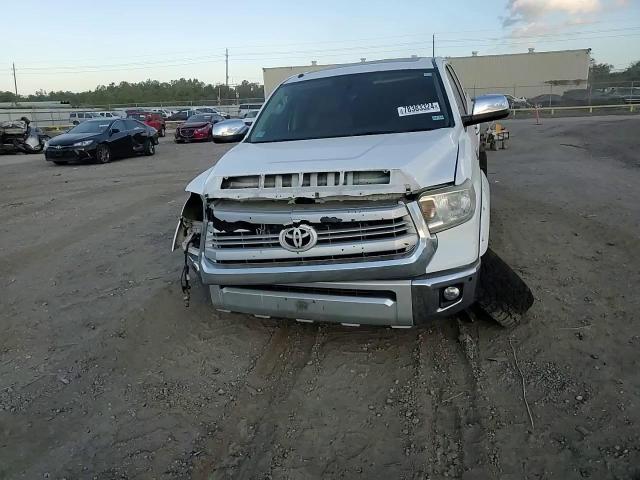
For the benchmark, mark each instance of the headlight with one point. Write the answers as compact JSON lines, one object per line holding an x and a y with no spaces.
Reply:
{"x":84,"y":143}
{"x":448,"y":207}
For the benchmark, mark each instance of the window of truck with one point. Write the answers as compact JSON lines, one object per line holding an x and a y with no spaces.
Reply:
{"x":369,"y":103}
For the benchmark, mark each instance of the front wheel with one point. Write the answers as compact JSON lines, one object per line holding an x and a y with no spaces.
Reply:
{"x":149,"y":147}
{"x":103,"y":153}
{"x":500,"y":291}
{"x":162,"y":132}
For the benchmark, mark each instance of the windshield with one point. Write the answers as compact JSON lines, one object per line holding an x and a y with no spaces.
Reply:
{"x":351,"y":105}
{"x":91,"y":127}
{"x":200,"y":118}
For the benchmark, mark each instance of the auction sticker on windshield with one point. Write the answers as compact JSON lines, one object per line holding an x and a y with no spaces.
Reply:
{"x":418,"y":109}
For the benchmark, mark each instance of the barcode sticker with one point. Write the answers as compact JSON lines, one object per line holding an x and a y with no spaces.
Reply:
{"x":418,"y":109}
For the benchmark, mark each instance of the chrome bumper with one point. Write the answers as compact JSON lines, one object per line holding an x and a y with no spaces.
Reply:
{"x":397,"y":303}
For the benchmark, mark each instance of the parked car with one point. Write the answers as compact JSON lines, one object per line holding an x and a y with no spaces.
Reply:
{"x":20,"y":136}
{"x":583,"y":97}
{"x":197,"y":127}
{"x":102,"y":140}
{"x":628,"y":94}
{"x":166,"y":113}
{"x":152,"y":119}
{"x":76,"y":118}
{"x":183,"y":114}
{"x":547,"y":100}
{"x":357,"y":197}
{"x":212,"y":110}
{"x":245,"y":108}
{"x":517,"y":102}
{"x":249,"y":117}
{"x":108,"y":114}
{"x":232,"y":130}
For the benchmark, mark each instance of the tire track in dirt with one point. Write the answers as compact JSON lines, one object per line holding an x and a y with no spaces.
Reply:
{"x":241,"y":444}
{"x":456,"y":443}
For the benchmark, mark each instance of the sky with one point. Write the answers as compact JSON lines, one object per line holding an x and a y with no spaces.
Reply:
{"x":77,"y":45}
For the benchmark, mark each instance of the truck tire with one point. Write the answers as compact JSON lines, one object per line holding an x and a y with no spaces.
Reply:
{"x":500,"y":292}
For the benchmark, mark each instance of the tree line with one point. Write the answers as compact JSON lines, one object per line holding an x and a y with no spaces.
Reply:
{"x":603,"y":72}
{"x":147,"y":91}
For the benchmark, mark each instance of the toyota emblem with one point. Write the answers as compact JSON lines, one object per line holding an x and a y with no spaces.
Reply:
{"x":298,"y":239}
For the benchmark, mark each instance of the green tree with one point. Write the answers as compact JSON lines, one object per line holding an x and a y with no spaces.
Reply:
{"x":149,"y":91}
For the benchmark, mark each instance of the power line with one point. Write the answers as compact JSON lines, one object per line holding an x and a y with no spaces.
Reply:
{"x":238,"y":50}
{"x":265,"y":56}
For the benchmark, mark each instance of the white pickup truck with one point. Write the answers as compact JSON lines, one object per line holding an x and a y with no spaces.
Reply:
{"x":357,"y":196}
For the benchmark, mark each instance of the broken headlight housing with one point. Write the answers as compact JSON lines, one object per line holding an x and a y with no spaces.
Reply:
{"x":448,"y":207}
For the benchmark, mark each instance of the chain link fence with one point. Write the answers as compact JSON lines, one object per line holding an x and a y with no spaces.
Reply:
{"x":62,"y":116}
{"x":566,"y":94}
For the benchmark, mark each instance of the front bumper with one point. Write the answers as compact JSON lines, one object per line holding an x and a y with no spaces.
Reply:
{"x":193,"y":138}
{"x":70,"y":154}
{"x":396,"y":303}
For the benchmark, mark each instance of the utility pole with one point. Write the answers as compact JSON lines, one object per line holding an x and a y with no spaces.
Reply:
{"x":15,"y":82}
{"x":433,"y":45}
{"x":226,"y":67}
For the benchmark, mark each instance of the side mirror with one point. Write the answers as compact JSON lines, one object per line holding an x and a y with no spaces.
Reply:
{"x":115,"y":130}
{"x":487,"y":108}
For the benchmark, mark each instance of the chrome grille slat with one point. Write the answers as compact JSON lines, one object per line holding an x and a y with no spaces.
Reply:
{"x":348,"y":230}
{"x":248,"y":236}
{"x":361,"y":235}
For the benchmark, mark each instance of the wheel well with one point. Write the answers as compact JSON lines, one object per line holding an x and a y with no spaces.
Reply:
{"x":194,"y":208}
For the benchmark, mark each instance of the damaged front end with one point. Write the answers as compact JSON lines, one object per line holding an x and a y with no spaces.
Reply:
{"x":187,"y":237}
{"x":365,"y":260}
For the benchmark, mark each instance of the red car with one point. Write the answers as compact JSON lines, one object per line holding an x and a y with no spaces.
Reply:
{"x":152,"y":119}
{"x":197,"y":127}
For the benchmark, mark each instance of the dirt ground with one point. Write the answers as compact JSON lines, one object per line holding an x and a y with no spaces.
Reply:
{"x":105,"y":375}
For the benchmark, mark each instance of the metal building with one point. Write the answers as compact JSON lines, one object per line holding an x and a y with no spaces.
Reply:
{"x":520,"y":74}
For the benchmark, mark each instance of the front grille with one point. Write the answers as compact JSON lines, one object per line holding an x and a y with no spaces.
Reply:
{"x":381,"y":233}
{"x":186,"y":132}
{"x":67,"y":153}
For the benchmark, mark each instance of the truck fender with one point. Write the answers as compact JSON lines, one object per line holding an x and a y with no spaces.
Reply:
{"x":484,"y":214}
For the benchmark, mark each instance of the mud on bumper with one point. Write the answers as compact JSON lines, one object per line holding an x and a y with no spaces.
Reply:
{"x":397,"y":303}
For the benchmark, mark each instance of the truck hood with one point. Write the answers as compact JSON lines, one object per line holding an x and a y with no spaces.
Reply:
{"x":396,"y":163}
